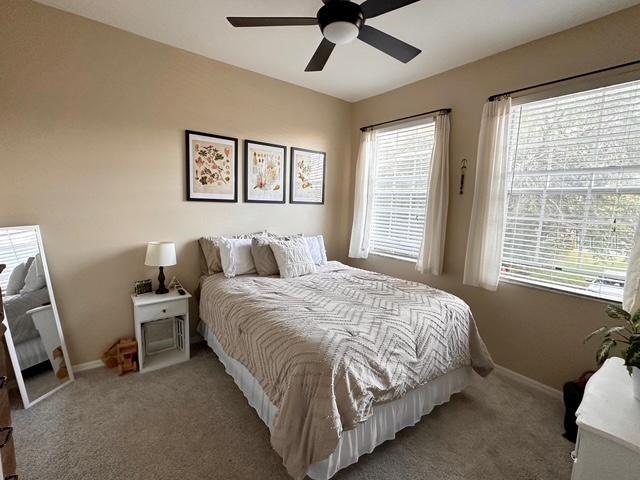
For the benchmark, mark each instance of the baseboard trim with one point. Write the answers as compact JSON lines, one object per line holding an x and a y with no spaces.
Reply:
{"x":557,"y":394}
{"x":499,"y":368}
{"x":87,"y":366}
{"x":98,"y":363}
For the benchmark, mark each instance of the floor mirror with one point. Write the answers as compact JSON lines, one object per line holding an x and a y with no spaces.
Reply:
{"x":34,"y":337}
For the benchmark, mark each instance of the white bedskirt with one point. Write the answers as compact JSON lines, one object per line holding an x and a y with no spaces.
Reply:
{"x":387,"y":419}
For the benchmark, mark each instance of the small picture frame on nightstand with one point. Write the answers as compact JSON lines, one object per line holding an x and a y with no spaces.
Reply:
{"x":141,"y":287}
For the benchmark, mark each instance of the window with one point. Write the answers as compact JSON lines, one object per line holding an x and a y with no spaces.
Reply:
{"x":573,"y":191}
{"x":16,"y":246}
{"x":402,"y":165}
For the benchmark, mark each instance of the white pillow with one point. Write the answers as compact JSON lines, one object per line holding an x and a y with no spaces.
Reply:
{"x":316,"y":247}
{"x":235,"y":256}
{"x":35,"y":279}
{"x":293,"y":257}
{"x":17,"y":276}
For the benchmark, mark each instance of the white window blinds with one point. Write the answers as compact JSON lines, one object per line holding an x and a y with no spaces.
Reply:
{"x":574,"y":191}
{"x":400,"y":183}
{"x":16,"y":246}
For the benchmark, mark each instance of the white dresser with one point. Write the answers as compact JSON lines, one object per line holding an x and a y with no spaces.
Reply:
{"x":608,"y":419}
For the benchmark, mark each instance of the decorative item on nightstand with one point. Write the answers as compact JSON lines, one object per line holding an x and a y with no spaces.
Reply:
{"x":161,"y":254}
{"x":141,"y":287}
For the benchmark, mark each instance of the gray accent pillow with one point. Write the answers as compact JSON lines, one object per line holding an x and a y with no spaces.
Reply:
{"x":211,"y":252}
{"x":293,"y":257}
{"x":263,"y":256}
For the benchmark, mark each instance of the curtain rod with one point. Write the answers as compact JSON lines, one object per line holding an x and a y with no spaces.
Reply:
{"x":573,"y":77}
{"x":440,"y":110}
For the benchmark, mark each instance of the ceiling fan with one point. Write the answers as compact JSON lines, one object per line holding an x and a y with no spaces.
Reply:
{"x":341,"y":22}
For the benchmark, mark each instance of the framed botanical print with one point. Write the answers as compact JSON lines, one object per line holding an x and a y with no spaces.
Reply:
{"x":307,"y":176}
{"x":265,"y":167}
{"x":212,"y":167}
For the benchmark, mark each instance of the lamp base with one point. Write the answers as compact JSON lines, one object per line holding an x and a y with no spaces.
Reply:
{"x":161,"y":288}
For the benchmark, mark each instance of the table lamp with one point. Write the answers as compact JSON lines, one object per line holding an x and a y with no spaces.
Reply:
{"x":161,"y":254}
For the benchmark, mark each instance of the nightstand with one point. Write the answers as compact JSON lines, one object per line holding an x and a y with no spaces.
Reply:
{"x":162,"y":329}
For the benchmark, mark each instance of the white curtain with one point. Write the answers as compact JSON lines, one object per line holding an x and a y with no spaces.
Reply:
{"x":431,"y":255}
{"x":486,"y":230}
{"x":359,"y":246}
{"x":631,"y":296}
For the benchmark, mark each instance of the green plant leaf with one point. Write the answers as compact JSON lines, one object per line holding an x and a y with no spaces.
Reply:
{"x":617,"y":313}
{"x":610,"y":331}
{"x":605,"y":349}
{"x":632,"y":351}
{"x":635,"y":321}
{"x":594,"y":333}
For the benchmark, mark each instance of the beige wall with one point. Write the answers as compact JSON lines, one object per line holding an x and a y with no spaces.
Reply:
{"x":536,"y":333}
{"x":92,"y":124}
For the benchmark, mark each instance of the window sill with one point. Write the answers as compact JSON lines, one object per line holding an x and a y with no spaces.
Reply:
{"x":559,"y":291}
{"x":394,"y":257}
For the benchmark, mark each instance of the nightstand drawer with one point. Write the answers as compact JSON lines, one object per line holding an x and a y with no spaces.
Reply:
{"x":162,"y":310}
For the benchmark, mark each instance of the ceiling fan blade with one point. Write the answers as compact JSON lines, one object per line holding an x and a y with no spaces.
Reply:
{"x":390,"y":45}
{"x":321,"y":56}
{"x":271,"y":21}
{"x":373,"y":8}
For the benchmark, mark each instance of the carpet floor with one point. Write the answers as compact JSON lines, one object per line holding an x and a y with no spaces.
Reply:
{"x":190,"y":422}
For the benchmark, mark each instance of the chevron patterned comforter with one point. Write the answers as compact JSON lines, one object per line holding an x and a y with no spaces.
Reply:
{"x":326,"y":347}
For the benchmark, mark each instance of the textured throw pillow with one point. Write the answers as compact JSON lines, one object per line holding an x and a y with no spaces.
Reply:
{"x":289,"y":236}
{"x":293,"y":257}
{"x":235,"y":254}
{"x":316,"y":247}
{"x":35,"y":279}
{"x":211,"y":253}
{"x":251,"y":235}
{"x":16,"y":279}
{"x":263,"y":256}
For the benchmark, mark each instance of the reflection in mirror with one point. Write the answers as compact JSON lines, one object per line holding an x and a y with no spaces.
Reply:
{"x":34,"y":336}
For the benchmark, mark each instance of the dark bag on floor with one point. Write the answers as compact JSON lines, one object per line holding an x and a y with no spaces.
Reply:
{"x":573,"y":393}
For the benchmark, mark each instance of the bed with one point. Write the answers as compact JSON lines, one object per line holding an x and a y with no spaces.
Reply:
{"x":26,"y":339}
{"x":338,"y":361}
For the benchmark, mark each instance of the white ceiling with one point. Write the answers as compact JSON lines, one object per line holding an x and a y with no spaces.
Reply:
{"x":449,"y":32}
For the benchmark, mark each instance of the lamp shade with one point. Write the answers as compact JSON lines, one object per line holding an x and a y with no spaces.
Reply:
{"x":160,"y":254}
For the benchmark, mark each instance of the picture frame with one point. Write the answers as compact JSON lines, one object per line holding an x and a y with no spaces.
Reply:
{"x":307,"y":176}
{"x":265,"y":172}
{"x":212,"y":167}
{"x":140,"y":287}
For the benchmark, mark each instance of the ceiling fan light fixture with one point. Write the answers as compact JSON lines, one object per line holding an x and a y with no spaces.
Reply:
{"x":341,"y":32}
{"x":341,"y":22}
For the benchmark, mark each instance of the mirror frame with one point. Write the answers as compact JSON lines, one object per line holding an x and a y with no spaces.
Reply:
{"x":9,"y":339}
